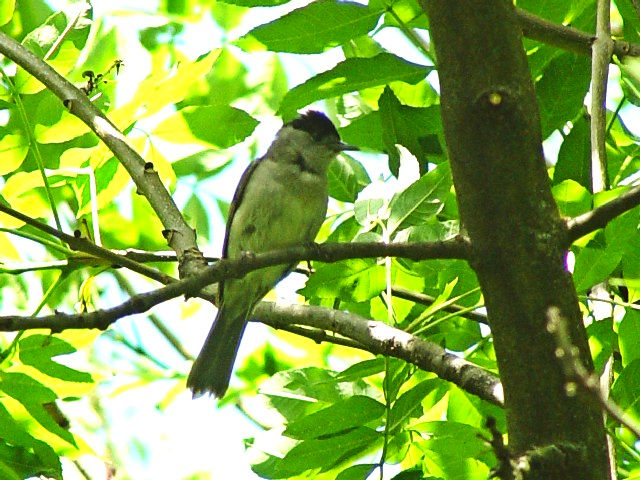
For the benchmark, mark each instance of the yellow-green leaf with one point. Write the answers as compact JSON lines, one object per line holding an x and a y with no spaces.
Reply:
{"x":13,"y":149}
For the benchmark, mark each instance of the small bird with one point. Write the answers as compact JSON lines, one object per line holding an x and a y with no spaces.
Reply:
{"x":281,"y":201}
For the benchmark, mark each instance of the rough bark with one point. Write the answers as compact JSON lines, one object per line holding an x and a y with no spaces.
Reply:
{"x":492,"y":129}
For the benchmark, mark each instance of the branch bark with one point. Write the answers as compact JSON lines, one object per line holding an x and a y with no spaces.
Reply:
{"x":380,"y":338}
{"x":355,"y":331}
{"x":599,"y":217}
{"x":567,"y":38}
{"x":600,"y":58}
{"x":237,"y":268}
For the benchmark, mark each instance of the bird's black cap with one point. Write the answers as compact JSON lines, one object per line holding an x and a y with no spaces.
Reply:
{"x":315,"y":124}
{"x":318,"y":125}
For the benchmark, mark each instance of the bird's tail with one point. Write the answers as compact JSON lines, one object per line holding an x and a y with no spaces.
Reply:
{"x":211,"y":371}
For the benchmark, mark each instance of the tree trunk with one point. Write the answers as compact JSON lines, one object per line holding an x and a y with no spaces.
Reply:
{"x":492,"y":129}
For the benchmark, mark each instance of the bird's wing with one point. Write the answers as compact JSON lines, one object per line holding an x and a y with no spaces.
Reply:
{"x":237,"y":198}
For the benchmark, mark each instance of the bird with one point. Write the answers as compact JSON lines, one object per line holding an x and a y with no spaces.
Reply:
{"x":280,"y":201}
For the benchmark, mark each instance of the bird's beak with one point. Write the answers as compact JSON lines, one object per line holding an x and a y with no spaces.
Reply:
{"x":344,"y":147}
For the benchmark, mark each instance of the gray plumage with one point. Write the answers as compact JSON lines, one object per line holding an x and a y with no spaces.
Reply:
{"x":280,"y":201}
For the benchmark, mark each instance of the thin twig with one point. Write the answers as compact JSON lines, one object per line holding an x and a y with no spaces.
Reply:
{"x":599,"y":217}
{"x":89,"y":247}
{"x":425,"y":299}
{"x":81,"y":10}
{"x":579,"y":375}
{"x":159,"y":324}
{"x":318,"y":335}
{"x":636,"y":7}
{"x":600,"y":58}
{"x":33,"y":144}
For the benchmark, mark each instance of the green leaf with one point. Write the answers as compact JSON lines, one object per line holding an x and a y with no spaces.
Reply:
{"x":312,"y":389}
{"x":406,"y":13}
{"x":408,"y":405}
{"x":38,"y":351}
{"x":32,"y":395}
{"x":67,"y":128}
{"x":625,"y":391}
{"x":256,"y":3}
{"x":397,"y":373}
{"x":460,"y":408}
{"x":226,"y":82}
{"x":362,"y":369}
{"x":325,"y":453}
{"x":22,"y":453}
{"x":13,"y":149}
{"x":620,"y":231}
{"x":347,"y":177}
{"x":196,"y":214}
{"x":40,"y":40}
{"x":6,"y":11}
{"x":369,"y":210}
{"x":221,"y":126}
{"x":365,"y":131}
{"x":452,"y":467}
{"x":453,"y":439}
{"x":574,"y":157}
{"x":351,"y":75}
{"x":593,"y":265}
{"x":567,"y":73}
{"x":421,"y":201}
{"x":357,"y":472}
{"x":417,"y":129}
{"x":226,"y":15}
{"x":356,"y":280}
{"x":320,"y":25}
{"x":559,"y":12}
{"x":432,"y":231}
{"x":630,"y":20}
{"x":414,"y":474}
{"x":572,"y":198}
{"x":343,"y":415}
{"x":631,"y":267}
{"x":628,"y":335}
{"x":602,"y":341}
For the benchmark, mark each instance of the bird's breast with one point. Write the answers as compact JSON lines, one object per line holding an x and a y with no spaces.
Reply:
{"x":281,"y":206}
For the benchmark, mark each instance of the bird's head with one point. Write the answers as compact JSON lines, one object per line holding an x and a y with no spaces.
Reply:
{"x":310,"y":140}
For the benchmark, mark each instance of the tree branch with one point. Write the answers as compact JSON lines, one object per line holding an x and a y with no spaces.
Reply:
{"x":84,"y":245}
{"x":599,"y":217}
{"x":380,"y":338}
{"x":491,"y":125}
{"x":237,"y":268}
{"x":579,"y":375}
{"x":567,"y":38}
{"x":318,"y":335}
{"x":358,"y":332}
{"x":600,"y":58}
{"x":180,"y":236}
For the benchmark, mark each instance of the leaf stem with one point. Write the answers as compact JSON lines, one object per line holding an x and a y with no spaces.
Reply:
{"x":33,"y":144}
{"x":409,"y":33}
{"x":43,"y":241}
